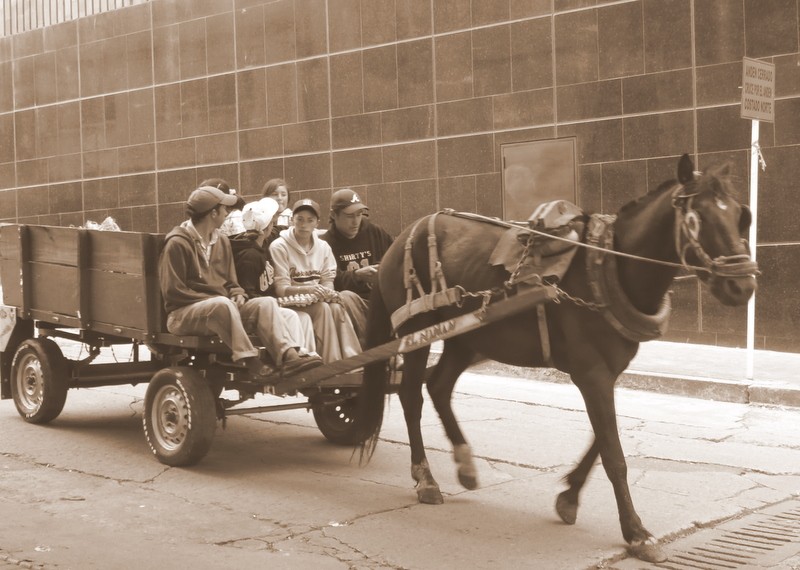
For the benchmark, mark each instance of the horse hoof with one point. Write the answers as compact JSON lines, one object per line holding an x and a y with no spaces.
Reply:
{"x":430,"y":496}
{"x":647,"y":552}
{"x":567,"y":510}
{"x":469,"y":482}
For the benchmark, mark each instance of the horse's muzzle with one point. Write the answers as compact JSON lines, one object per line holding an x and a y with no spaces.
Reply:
{"x":732,"y":291}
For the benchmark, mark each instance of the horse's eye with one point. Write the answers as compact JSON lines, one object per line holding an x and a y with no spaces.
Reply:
{"x":721,"y":205}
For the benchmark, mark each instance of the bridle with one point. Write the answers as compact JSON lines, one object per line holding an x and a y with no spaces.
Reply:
{"x":687,"y":231}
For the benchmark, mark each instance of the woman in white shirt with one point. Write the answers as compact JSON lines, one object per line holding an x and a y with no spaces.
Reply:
{"x":305,"y":267}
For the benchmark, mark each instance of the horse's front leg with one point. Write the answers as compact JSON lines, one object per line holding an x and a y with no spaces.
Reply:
{"x":411,"y":399}
{"x":453,"y":361}
{"x":599,"y":399}
{"x":567,"y":501}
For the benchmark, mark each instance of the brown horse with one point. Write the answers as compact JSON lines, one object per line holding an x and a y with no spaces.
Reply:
{"x":693,"y":222}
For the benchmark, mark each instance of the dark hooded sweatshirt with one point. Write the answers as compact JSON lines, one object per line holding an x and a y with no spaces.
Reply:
{"x":366,"y":248}
{"x":253,"y":266}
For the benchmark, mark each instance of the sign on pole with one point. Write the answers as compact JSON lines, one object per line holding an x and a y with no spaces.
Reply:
{"x":758,"y":90}
{"x":758,"y":104}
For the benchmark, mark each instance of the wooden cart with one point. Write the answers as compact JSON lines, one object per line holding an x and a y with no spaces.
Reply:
{"x":101,"y":289}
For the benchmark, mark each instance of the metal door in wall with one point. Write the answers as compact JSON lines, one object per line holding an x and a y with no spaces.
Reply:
{"x":536,"y":172}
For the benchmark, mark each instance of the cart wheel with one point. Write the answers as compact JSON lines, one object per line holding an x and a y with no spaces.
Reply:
{"x":39,"y":380}
{"x":179,"y":416}
{"x":337,"y":421}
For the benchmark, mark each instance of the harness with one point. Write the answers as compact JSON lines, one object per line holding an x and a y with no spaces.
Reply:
{"x":601,"y":264}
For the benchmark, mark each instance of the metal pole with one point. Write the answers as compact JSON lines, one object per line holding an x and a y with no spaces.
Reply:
{"x":751,"y":304}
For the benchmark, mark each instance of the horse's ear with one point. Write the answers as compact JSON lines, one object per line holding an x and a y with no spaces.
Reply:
{"x":745,"y":219}
{"x":685,"y":169}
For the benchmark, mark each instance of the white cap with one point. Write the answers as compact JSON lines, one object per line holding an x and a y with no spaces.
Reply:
{"x":256,"y":216}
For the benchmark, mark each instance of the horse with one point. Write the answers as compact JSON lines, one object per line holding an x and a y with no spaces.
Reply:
{"x":693,"y":223}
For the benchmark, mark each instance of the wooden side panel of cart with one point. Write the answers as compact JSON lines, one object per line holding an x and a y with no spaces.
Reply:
{"x":87,"y":279}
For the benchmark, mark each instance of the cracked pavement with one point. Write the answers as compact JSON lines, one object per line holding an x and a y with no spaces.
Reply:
{"x":84,"y":492}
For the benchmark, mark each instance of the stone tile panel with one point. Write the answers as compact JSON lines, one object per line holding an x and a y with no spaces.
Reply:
{"x":411,"y":123}
{"x":220,"y":53}
{"x":380,"y":78}
{"x":412,"y":161}
{"x":664,"y":21}
{"x":770,"y":27}
{"x":357,"y":167}
{"x":312,"y":89}
{"x":657,"y":92}
{"x":719,"y":36}
{"x":346,"y":84}
{"x":344,"y":25}
{"x":356,"y":130}
{"x":491,"y":60}
{"x":465,"y":116}
{"x":308,"y":172}
{"x":576,"y":47}
{"x":658,"y":135}
{"x":413,"y":18}
{"x":531,"y":54}
{"x":466,"y":155}
{"x":281,"y":89}
{"x":260,"y":143}
{"x":415,"y":73}
{"x":453,"y":66}
{"x":378,"y":22}
{"x":620,"y":40}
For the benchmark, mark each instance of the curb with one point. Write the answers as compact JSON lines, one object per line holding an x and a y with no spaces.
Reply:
{"x":716,"y":389}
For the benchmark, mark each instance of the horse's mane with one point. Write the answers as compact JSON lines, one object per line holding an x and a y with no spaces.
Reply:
{"x":717,"y":179}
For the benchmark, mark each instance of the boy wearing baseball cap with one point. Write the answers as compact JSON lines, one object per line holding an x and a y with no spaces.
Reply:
{"x":304,"y":265}
{"x":201,"y":294}
{"x":358,"y":247}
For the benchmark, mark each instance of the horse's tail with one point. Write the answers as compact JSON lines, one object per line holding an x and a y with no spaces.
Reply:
{"x":372,"y":396}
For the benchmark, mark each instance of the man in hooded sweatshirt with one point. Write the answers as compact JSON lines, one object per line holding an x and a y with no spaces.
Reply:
{"x":358,"y":247}
{"x":254,"y":266}
{"x":202,"y":297}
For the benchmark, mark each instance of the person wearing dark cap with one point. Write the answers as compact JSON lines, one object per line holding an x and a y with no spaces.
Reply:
{"x":201,"y":294}
{"x":358,"y":247}
{"x":233,"y":222}
{"x":305,"y":268}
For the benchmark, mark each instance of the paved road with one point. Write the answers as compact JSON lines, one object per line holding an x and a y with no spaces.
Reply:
{"x":84,"y":493}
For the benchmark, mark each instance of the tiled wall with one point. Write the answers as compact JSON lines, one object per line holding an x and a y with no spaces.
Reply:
{"x":409,"y":102}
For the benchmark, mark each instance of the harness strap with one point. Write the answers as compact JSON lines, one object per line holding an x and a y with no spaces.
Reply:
{"x":544,"y":336}
{"x":440,"y":295}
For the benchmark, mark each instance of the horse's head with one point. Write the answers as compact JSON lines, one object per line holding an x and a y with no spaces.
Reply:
{"x":710,"y":233}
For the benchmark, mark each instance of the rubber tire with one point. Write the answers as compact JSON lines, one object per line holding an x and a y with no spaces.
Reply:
{"x":179,"y":416}
{"x":337,"y":421}
{"x":39,"y":375}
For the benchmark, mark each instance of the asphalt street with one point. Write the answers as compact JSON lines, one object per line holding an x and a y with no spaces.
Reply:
{"x":84,"y":492}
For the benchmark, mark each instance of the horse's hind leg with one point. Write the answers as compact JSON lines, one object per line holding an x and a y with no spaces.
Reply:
{"x":567,"y":501}
{"x":411,"y":399}
{"x":454,"y":360}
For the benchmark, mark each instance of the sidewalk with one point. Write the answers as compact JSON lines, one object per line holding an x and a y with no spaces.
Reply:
{"x":699,"y":371}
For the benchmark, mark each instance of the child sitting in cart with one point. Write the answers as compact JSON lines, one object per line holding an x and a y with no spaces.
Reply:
{"x":254,"y":265}
{"x":305,"y":269}
{"x":202,"y":296}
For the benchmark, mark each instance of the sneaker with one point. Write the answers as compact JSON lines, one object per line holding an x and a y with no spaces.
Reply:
{"x":301,"y":364}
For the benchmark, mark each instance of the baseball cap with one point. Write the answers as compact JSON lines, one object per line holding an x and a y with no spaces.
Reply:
{"x":257,"y":215}
{"x":347,"y":201}
{"x":206,"y":198}
{"x":308,"y":204}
